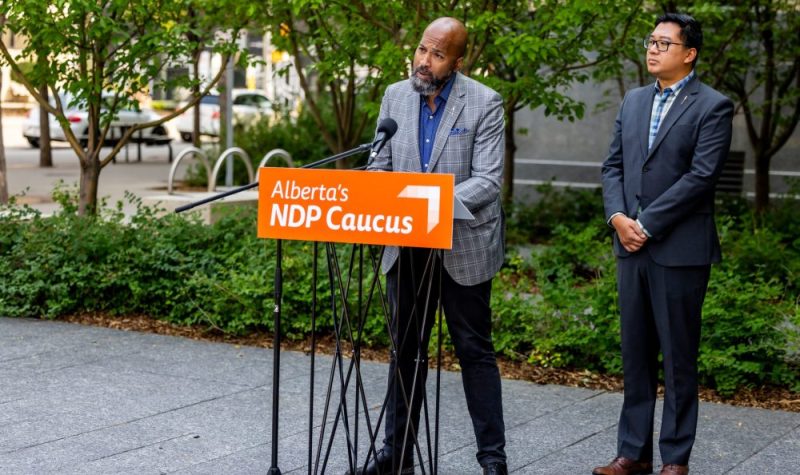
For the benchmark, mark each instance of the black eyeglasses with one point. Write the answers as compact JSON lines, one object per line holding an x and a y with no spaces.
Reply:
{"x":661,"y":45}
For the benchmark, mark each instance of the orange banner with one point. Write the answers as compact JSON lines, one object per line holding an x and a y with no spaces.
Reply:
{"x":387,"y":208}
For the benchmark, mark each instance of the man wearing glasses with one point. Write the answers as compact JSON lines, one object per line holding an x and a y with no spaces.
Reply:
{"x":667,"y":150}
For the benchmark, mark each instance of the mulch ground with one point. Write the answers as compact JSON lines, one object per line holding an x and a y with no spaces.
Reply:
{"x":764,"y":397}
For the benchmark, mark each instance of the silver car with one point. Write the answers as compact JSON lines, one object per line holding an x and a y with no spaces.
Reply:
{"x":79,"y":123}
{"x":248,"y":105}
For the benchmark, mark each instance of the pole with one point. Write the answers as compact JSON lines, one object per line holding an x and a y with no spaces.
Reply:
{"x":229,"y":120}
{"x":276,"y":359}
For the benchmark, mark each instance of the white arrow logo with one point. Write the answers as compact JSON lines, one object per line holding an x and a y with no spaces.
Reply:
{"x":430,"y":193}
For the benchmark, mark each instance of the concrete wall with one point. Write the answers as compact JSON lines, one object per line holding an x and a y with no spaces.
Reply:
{"x":571,"y":152}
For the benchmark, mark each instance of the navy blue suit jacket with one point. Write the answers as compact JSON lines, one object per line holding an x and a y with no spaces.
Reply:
{"x":672,"y":183}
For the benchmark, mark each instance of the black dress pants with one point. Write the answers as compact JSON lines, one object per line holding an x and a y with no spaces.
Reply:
{"x":413,"y":304}
{"x":660,"y":309}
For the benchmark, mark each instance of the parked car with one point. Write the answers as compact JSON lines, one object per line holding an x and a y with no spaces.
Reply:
{"x":79,"y":123}
{"x":248,"y":105}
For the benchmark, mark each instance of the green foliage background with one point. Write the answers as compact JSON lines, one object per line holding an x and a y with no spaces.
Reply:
{"x":554,"y":302}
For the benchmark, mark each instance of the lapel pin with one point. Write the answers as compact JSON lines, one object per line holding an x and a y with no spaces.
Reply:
{"x":684,"y":99}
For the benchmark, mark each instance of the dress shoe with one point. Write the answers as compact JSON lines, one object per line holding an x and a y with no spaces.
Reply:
{"x":674,"y":469}
{"x":382,"y":465}
{"x":495,"y":468}
{"x":624,"y":466}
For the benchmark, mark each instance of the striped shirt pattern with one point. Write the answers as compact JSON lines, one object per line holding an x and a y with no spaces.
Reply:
{"x":662,"y":102}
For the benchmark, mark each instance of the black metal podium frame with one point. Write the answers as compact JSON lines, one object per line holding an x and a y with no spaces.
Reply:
{"x":348,"y":328}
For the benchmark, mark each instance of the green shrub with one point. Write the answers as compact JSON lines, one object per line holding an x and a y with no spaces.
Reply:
{"x":561,"y":311}
{"x":560,"y":308}
{"x":554,"y":303}
{"x":170,"y":268}
{"x":745,"y":336}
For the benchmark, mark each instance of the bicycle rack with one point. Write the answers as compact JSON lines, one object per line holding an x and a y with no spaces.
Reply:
{"x":185,"y":153}
{"x":277,"y":152}
{"x":233,"y":151}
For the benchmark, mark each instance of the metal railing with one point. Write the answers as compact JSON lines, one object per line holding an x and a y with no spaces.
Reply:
{"x":230,"y":153}
{"x":277,"y":153}
{"x":185,"y":153}
{"x":211,"y":174}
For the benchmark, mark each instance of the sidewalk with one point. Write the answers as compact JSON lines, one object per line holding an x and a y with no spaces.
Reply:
{"x":79,"y":399}
{"x":35,"y":184}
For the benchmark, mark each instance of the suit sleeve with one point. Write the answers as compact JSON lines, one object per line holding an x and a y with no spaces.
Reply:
{"x":483,"y":185}
{"x":613,"y":173}
{"x":383,"y":161}
{"x":711,"y":150}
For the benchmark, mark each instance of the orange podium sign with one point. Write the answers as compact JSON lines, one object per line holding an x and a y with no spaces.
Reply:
{"x":386,"y":208}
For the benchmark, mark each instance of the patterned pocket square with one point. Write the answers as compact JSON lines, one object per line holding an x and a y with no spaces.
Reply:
{"x":458,"y":131}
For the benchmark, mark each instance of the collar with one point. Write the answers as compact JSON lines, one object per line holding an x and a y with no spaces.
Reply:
{"x":676,"y":88}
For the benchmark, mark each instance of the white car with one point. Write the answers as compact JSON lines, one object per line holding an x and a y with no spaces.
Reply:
{"x":79,"y":123}
{"x":248,"y":105}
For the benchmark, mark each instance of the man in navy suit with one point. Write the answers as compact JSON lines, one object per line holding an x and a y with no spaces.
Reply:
{"x":669,"y":144}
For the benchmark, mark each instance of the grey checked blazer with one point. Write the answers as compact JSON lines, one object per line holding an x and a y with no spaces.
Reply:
{"x":469,"y":145}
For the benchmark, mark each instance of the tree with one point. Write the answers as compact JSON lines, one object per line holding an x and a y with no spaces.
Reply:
{"x":533,"y":51}
{"x":3,"y":179}
{"x":45,"y":149}
{"x":752,"y":53}
{"x":105,"y":53}
{"x":345,"y":53}
{"x":530,"y":51}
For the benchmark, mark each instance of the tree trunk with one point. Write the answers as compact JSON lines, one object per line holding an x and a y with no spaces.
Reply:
{"x":196,"y":108}
{"x":3,"y":180}
{"x":762,"y":181}
{"x":45,"y":150}
{"x":510,"y":151}
{"x":90,"y":179}
{"x":223,"y":107}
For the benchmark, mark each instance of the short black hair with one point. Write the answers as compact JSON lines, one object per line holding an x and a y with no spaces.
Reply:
{"x":691,"y":31}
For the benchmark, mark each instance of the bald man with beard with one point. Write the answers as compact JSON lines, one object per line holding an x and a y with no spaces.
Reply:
{"x":447,"y":123}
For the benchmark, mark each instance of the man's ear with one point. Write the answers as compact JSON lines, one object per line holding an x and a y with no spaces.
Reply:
{"x":459,"y":64}
{"x":690,"y":56}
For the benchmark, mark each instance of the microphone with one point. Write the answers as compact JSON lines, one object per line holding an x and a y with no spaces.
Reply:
{"x":386,"y":130}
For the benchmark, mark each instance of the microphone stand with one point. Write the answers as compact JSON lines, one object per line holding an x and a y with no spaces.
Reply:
{"x":276,"y":346}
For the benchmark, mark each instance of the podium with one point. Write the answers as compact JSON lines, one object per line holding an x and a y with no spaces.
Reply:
{"x":362,"y":210}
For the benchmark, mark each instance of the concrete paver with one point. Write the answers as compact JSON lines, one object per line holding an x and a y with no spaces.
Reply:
{"x":78,"y":399}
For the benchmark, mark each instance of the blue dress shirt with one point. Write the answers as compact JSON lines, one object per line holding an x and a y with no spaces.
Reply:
{"x":429,"y":123}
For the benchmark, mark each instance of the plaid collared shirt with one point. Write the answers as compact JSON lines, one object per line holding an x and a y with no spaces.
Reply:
{"x":662,"y":102}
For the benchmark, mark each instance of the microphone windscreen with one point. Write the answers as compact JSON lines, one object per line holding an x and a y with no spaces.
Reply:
{"x":388,"y":126}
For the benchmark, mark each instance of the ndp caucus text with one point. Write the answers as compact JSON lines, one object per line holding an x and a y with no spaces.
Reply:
{"x":322,"y":205}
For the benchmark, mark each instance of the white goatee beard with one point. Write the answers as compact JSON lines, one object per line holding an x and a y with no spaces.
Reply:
{"x":426,"y":88}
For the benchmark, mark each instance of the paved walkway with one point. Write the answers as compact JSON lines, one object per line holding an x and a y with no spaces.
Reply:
{"x":79,"y":399}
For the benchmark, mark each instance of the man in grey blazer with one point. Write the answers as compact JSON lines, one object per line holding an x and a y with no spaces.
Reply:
{"x":669,"y":144}
{"x":447,"y":123}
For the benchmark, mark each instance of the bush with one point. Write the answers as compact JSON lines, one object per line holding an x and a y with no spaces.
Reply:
{"x":563,"y":309}
{"x":171,"y":268}
{"x":560,"y":307}
{"x":571,"y":208}
{"x":554,"y":304}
